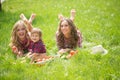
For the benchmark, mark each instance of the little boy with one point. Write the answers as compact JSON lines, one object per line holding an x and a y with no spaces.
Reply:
{"x":36,"y":45}
{"x":36,"y":48}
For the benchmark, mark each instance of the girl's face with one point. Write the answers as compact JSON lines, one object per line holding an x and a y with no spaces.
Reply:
{"x":65,"y":28}
{"x":21,"y":32}
{"x":35,"y":37}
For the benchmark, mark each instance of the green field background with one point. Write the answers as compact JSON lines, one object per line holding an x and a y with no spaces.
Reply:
{"x":99,"y":22}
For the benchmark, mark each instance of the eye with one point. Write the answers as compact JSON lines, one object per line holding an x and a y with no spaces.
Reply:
{"x":18,"y":29}
{"x":66,"y":25}
{"x":61,"y":26}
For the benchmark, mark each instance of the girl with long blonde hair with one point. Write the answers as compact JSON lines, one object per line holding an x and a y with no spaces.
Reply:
{"x":20,"y":39}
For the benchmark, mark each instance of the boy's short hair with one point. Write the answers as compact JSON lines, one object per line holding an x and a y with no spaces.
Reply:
{"x":36,"y":30}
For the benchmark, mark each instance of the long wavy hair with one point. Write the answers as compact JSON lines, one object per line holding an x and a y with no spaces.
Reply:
{"x":15,"y":41}
{"x":73,"y":38}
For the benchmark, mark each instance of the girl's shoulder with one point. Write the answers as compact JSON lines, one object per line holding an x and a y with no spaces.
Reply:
{"x":57,"y":33}
{"x":78,"y":32}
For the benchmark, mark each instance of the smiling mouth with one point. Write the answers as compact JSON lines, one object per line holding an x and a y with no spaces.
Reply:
{"x":34,"y":39}
{"x":64,"y":31}
{"x":21,"y":34}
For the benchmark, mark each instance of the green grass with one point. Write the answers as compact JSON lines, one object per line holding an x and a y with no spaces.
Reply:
{"x":99,"y":23}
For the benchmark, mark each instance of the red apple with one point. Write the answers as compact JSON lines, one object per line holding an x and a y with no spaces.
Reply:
{"x":14,"y":48}
{"x":72,"y":52}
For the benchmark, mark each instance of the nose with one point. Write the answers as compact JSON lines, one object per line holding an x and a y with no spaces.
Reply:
{"x":21,"y":30}
{"x":63,"y":27}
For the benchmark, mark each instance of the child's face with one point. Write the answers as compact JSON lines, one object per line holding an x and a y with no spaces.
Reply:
{"x":35,"y":37}
{"x":65,"y":28}
{"x":21,"y":32}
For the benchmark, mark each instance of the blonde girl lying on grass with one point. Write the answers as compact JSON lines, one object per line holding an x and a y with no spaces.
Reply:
{"x":36,"y":47}
{"x":20,"y":39}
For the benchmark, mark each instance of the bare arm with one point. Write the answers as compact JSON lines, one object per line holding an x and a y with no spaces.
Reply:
{"x":16,"y":51}
{"x":80,"y":38}
{"x":61,"y":51}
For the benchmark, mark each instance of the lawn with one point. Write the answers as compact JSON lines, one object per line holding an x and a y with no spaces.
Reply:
{"x":99,"y":22}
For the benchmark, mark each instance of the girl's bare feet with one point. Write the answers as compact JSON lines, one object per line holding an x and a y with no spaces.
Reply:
{"x":22,"y":16}
{"x":32,"y":17}
{"x":60,"y":17}
{"x":26,"y":22}
{"x":72,"y":14}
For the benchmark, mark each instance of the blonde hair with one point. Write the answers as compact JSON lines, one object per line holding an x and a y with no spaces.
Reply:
{"x":15,"y":41}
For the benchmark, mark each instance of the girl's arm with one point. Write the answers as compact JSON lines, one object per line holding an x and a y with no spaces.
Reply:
{"x":16,"y":51}
{"x":80,"y":38}
{"x":61,"y":51}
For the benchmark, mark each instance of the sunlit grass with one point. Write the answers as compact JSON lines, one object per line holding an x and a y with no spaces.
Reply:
{"x":97,"y":20}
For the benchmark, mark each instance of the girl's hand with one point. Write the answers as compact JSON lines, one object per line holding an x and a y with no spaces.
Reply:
{"x":15,"y":49}
{"x":63,"y":51}
{"x":20,"y":54}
